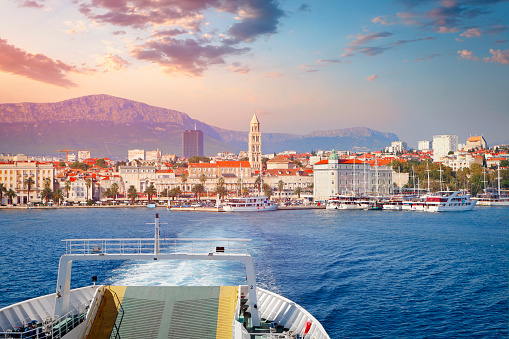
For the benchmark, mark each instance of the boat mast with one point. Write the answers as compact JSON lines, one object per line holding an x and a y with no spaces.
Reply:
{"x":413,"y":177}
{"x":354,"y":176}
{"x":498,"y":169}
{"x":376,"y":169}
{"x":364,"y":175}
{"x":484,"y":181}
{"x":440,"y":170}
{"x":427,"y":170}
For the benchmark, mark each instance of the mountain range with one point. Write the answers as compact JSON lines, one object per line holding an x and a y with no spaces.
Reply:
{"x":111,"y":125}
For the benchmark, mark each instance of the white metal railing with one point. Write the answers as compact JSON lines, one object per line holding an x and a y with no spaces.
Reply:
{"x":53,"y":328}
{"x":148,"y":246}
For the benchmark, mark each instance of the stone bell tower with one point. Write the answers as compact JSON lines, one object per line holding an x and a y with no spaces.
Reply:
{"x":255,"y":145}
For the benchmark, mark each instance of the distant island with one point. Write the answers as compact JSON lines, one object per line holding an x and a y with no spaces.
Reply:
{"x":113,"y":125}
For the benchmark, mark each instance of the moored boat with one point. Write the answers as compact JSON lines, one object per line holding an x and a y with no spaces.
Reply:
{"x":249,"y":204}
{"x":449,"y":201}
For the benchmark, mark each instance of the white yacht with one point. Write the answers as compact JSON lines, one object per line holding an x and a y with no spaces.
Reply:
{"x":449,"y":201}
{"x":99,"y":311}
{"x":249,"y":204}
{"x":491,"y":197}
{"x":346,"y":202}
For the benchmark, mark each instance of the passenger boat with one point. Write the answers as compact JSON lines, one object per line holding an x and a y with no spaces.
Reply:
{"x":99,"y":311}
{"x":346,"y":202}
{"x":249,"y":204}
{"x":151,"y":205}
{"x":492,"y":200}
{"x":449,"y":201}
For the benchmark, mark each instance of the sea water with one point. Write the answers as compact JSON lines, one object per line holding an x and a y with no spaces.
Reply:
{"x":362,"y":274}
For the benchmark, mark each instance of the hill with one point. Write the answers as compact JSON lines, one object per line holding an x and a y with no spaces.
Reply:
{"x":115,"y":125}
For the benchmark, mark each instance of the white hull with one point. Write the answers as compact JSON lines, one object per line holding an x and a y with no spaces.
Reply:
{"x":492,"y":202}
{"x":228,"y":208}
{"x":451,"y":207}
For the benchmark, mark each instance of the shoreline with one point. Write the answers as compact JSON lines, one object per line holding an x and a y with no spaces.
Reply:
{"x":176,"y":209}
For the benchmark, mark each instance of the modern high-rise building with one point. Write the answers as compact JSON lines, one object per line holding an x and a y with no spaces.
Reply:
{"x":192,"y":143}
{"x":443,"y":144}
{"x":255,"y":144}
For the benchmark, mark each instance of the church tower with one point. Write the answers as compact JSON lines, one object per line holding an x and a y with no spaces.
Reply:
{"x":255,"y":145}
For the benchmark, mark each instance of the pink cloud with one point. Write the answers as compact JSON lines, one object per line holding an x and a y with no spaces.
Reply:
{"x":37,"y":67}
{"x":467,"y":55}
{"x":112,"y":62}
{"x":472,"y":32}
{"x":372,"y":78}
{"x":445,"y":29}
{"x":185,"y":56}
{"x":30,"y":3}
{"x":363,"y":39}
{"x":501,"y":57}
{"x":383,"y":20}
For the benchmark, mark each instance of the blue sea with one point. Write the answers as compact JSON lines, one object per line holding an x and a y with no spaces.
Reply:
{"x":362,"y":274}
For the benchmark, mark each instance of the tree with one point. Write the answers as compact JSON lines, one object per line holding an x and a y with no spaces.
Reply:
{"x":3,"y":189}
{"x":80,"y":165}
{"x":264,"y":161}
{"x":29,"y":182}
{"x":46,"y":194}
{"x":114,"y":190}
{"x":197,"y":190}
{"x":504,"y":163}
{"x":280,"y":186}
{"x":150,"y":191}
{"x":197,"y":159}
{"x":267,"y":190}
{"x":203,"y":179}
{"x":221,"y":191}
{"x":67,"y":187}
{"x":11,"y":194}
{"x":61,"y":164}
{"x":258,"y":183}
{"x":298,"y":191}
{"x":101,"y":163}
{"x":175,"y":192}
{"x":132,"y":193}
{"x":58,"y":196}
{"x":88,"y":183}
{"x":47,"y":182}
{"x":107,"y":193}
{"x":244,"y":159}
{"x":183,"y":178}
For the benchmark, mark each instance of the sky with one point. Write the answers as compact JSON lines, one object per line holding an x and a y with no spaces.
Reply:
{"x":416,"y":68}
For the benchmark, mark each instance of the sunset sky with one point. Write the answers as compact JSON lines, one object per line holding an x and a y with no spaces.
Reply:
{"x":412,"y":67}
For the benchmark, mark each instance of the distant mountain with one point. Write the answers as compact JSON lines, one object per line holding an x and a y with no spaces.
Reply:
{"x":113,"y":125}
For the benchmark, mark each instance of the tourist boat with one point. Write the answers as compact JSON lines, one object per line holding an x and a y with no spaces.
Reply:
{"x":151,"y":205}
{"x":490,"y":197}
{"x":99,"y":311}
{"x":346,"y":202}
{"x":249,"y":204}
{"x":492,"y":200}
{"x":449,"y":201}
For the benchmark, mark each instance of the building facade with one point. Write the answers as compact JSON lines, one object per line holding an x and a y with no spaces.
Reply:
{"x":14,"y":175}
{"x":424,"y":145}
{"x":192,"y":143}
{"x":476,"y":143}
{"x":135,"y":154}
{"x":255,"y":145}
{"x":349,"y":176}
{"x":443,"y":144}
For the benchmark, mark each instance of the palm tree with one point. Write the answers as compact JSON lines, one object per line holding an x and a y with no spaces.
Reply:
{"x":298,"y":191}
{"x":183,"y":177}
{"x":107,"y":193}
{"x":67,"y":187}
{"x":221,"y":191}
{"x":258,"y":182}
{"x":239,"y":184}
{"x":58,"y":196}
{"x":267,"y":190}
{"x":114,"y":190}
{"x":132,"y":193}
{"x":2,"y":190}
{"x":46,"y":194}
{"x":11,"y":194}
{"x":88,"y":183}
{"x":197,"y":189}
{"x":280,"y":186}
{"x":203,"y":179}
{"x":47,"y":182}
{"x":29,"y":182}
{"x":175,"y":192}
{"x":150,"y":191}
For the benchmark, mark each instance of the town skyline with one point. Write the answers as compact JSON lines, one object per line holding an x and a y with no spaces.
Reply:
{"x":416,"y":69}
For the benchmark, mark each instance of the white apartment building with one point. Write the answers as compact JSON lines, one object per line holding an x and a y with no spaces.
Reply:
{"x":154,"y":155}
{"x":135,"y":154}
{"x":461,"y":160}
{"x":13,"y":176}
{"x":443,"y":144}
{"x":349,"y":176}
{"x":139,"y":176}
{"x":397,"y":146}
{"x":424,"y":145}
{"x":82,"y":155}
